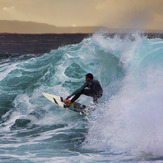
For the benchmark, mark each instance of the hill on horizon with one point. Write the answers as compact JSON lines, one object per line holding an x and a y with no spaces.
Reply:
{"x":28,"y":27}
{"x":14,"y":26}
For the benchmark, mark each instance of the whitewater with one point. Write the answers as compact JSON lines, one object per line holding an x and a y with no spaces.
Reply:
{"x":127,"y":124}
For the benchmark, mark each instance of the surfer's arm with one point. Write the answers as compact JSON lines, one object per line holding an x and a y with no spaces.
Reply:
{"x":68,"y":97}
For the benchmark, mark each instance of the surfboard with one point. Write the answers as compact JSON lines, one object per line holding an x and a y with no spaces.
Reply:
{"x":74,"y":107}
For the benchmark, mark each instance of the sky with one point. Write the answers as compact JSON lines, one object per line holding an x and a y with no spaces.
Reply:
{"x":111,"y":13}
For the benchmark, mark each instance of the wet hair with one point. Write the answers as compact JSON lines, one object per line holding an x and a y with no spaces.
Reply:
{"x":89,"y":75}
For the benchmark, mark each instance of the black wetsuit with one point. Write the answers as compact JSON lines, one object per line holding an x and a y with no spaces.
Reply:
{"x":94,"y":90}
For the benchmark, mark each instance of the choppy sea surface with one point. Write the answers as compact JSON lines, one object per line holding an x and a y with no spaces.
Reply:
{"x":127,"y":124}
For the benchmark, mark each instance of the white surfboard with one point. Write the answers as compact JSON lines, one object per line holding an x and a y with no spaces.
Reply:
{"x":75,"y":107}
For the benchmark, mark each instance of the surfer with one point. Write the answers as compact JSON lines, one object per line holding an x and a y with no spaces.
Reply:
{"x":94,"y":90}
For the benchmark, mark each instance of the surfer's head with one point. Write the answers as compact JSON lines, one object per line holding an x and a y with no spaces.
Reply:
{"x":89,"y":76}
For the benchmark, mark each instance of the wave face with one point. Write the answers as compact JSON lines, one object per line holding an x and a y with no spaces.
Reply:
{"x":127,"y":122}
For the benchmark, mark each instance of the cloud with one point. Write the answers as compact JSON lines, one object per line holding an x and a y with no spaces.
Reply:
{"x":111,"y":13}
{"x":9,"y":9}
{"x":130,"y":13}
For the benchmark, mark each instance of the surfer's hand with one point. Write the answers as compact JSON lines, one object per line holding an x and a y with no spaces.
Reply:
{"x":68,"y":97}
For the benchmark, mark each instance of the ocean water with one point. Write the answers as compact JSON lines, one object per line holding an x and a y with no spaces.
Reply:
{"x":127,"y":124}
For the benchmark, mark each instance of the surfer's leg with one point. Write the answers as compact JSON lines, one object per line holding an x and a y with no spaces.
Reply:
{"x":88,"y":92}
{"x":76,"y":97}
{"x":95,"y":100}
{"x":96,"y":97}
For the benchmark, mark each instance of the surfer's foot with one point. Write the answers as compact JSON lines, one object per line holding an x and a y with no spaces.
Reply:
{"x":67,"y":102}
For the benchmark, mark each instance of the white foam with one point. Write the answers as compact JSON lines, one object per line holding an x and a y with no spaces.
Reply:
{"x":131,"y":121}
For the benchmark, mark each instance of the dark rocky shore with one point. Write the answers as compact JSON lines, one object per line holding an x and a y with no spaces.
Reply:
{"x":18,"y":44}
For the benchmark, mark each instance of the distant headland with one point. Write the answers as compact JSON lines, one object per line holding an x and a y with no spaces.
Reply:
{"x":23,"y":27}
{"x":27,"y":27}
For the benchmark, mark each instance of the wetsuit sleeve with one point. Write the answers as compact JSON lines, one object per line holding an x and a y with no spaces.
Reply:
{"x":80,"y":89}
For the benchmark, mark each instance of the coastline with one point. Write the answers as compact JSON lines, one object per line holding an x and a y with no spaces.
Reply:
{"x":12,"y":44}
{"x":22,"y":44}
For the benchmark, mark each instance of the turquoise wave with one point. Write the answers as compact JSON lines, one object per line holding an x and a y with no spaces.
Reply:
{"x":130,"y":71}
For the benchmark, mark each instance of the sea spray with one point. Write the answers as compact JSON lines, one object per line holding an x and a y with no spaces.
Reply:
{"x":131,"y":121}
